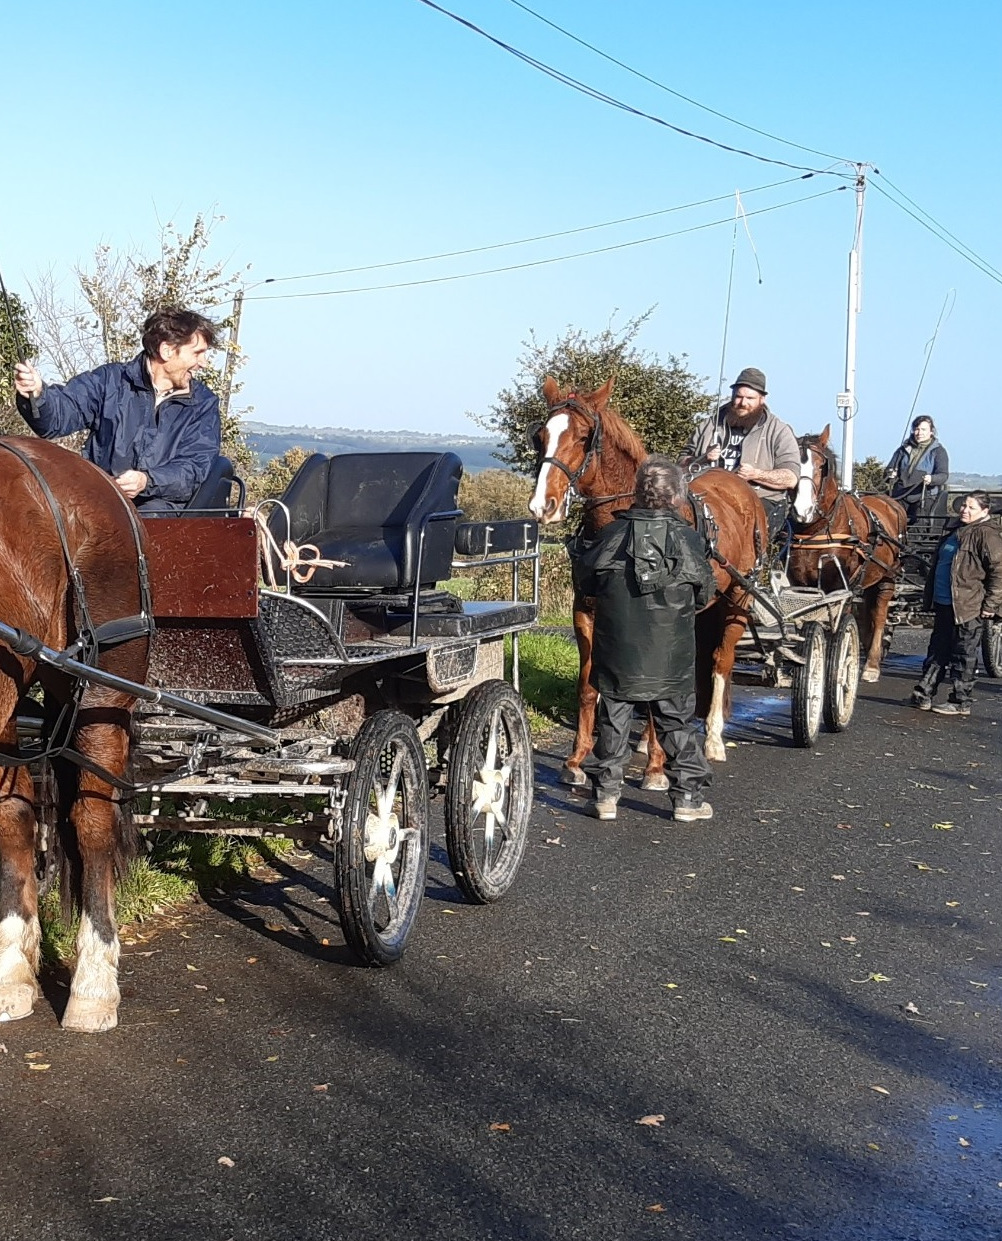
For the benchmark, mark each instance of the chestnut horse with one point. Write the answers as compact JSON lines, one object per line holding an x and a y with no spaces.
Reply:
{"x":842,"y":539}
{"x":586,"y":448}
{"x":69,"y":562}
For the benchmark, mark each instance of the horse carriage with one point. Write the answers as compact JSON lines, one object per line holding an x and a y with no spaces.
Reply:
{"x":327,"y":704}
{"x":792,"y":625}
{"x":922,"y":538}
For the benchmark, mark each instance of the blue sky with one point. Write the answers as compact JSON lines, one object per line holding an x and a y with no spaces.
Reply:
{"x":333,"y":135}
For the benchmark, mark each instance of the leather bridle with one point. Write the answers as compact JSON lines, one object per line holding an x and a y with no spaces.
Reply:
{"x":593,"y":441}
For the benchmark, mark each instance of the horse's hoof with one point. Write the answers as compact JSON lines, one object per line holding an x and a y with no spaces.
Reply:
{"x":715,"y":752}
{"x":90,"y":1016}
{"x":642,"y":747}
{"x":656,"y":780}
{"x":870,"y":675}
{"x":17,"y":1000}
{"x":573,"y":776}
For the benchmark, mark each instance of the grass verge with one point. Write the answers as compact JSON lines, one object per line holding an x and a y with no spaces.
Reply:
{"x":549,"y":668}
{"x":177,"y":866}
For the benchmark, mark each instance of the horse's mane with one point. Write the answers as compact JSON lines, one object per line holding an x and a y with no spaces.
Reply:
{"x":813,"y":440}
{"x":621,"y":435}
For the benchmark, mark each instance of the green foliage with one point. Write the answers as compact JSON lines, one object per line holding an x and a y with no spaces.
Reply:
{"x":868,"y":475}
{"x":144,"y":890}
{"x":494,"y":495}
{"x":659,"y":399}
{"x":272,"y":481}
{"x":13,"y":339}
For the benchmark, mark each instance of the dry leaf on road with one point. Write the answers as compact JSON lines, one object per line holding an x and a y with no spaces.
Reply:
{"x":654,"y":1120}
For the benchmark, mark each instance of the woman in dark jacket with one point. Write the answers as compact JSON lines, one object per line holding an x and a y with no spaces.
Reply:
{"x":919,"y":471}
{"x":963,"y":588}
{"x":648,"y":574}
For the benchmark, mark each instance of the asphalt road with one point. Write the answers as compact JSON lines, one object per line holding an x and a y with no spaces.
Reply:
{"x":802,"y":996}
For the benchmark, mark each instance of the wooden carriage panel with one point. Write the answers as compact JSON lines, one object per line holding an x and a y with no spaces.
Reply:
{"x":202,"y":567}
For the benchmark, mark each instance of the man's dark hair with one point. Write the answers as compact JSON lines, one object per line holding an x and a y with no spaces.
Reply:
{"x":660,"y":483}
{"x":917,"y":422}
{"x":175,"y":327}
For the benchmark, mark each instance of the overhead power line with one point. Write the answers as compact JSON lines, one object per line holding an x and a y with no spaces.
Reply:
{"x":975,"y":260}
{"x":763,"y":133}
{"x":933,"y":224}
{"x":562,"y":258}
{"x":593,"y":93}
{"x":525,"y":241}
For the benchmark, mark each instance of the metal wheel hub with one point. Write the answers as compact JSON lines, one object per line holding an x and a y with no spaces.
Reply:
{"x":382,"y":837}
{"x":490,"y":790}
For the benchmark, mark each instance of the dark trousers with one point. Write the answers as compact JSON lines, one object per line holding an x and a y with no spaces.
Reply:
{"x":687,"y":768}
{"x":952,"y":655}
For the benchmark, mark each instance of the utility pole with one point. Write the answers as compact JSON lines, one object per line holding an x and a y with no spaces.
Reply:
{"x":846,"y":400}
{"x":231,"y":353}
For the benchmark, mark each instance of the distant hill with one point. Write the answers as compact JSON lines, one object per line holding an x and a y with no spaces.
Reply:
{"x":269,"y":441}
{"x":974,"y":482}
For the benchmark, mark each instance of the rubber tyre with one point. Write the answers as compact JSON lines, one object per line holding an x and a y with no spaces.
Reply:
{"x":381,"y":860}
{"x":808,"y":691}
{"x":489,"y":793}
{"x":991,"y":648}
{"x":841,"y":675}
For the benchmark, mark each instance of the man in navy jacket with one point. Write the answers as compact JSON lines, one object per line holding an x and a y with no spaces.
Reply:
{"x":153,"y":427}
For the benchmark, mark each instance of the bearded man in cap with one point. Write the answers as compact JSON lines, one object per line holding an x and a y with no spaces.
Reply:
{"x":746,"y":437}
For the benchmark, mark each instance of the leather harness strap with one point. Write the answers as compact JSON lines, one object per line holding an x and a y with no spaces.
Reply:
{"x":91,"y":638}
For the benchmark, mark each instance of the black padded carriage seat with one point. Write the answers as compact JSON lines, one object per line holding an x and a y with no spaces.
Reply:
{"x":213,"y":495}
{"x":369,"y":509}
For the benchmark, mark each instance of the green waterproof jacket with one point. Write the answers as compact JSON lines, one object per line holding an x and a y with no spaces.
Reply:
{"x":648,"y":574}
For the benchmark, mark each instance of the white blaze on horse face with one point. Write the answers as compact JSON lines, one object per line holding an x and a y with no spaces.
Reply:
{"x":804,"y":502}
{"x":542,"y":509}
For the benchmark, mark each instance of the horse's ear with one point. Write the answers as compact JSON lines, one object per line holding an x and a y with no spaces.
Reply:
{"x":825,"y":434}
{"x":600,"y":399}
{"x":551,"y":390}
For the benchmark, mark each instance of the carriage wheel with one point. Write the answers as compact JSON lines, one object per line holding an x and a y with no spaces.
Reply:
{"x":841,"y":675}
{"x":991,"y":647}
{"x":382,"y":856}
{"x":808,"y":692}
{"x":489,"y":795}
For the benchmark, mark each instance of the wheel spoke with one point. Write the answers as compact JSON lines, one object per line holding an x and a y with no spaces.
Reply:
{"x":488,"y":842}
{"x":492,"y":739}
{"x":383,"y":882}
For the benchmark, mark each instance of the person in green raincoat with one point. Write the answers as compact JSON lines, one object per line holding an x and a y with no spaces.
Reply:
{"x":648,"y":574}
